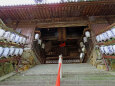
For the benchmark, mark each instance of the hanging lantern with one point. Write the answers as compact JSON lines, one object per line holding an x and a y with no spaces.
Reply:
{"x":1,"y":32}
{"x":11,"y":53}
{"x":98,"y":38}
{"x":87,"y":34}
{"x":36,"y":36}
{"x":7,"y":35}
{"x":6,"y":52}
{"x":17,"y":39}
{"x":82,"y":55}
{"x":16,"y":53}
{"x":83,"y":49}
{"x":43,"y":45}
{"x":105,"y":36}
{"x":106,"y":50}
{"x":113,"y":31}
{"x":24,"y":40}
{"x":113,"y":48}
{"x":39,"y":41}
{"x":109,"y":34}
{"x":1,"y":51}
{"x":12,"y":37}
{"x":102,"y":49}
{"x":20,"y":40}
{"x":21,"y":51}
{"x":85,"y":39}
{"x":81,"y":44}
{"x":101,"y":37}
{"x":110,"y":48}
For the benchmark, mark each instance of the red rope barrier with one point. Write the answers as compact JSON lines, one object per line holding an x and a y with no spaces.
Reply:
{"x":58,"y":76}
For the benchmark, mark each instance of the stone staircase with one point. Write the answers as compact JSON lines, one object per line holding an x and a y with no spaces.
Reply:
{"x":73,"y":75}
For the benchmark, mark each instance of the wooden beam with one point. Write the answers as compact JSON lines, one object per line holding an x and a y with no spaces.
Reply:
{"x":67,"y":22}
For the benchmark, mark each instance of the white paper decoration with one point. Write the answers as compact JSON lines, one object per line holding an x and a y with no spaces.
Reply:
{"x":20,"y":40}
{"x":97,"y":38}
{"x":1,"y":51}
{"x":24,"y":40}
{"x":110,"y":48}
{"x":21,"y":51}
{"x":101,"y":37}
{"x":7,"y":35}
{"x":39,"y":41}
{"x":85,"y":39}
{"x":17,"y":39}
{"x":11,"y":52}
{"x":83,"y":49}
{"x":6,"y":52}
{"x":105,"y":36}
{"x":87,"y":34}
{"x":16,"y":53}
{"x":36,"y":36}
{"x":102,"y":49}
{"x":43,"y":45}
{"x":2,"y":32}
{"x":12,"y":37}
{"x":82,"y":55}
{"x":106,"y":50}
{"x":113,"y":31}
{"x":81,"y":44}
{"x":114,"y":49}
{"x":109,"y":34}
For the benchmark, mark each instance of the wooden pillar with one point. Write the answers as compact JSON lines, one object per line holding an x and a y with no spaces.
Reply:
{"x":61,"y":34}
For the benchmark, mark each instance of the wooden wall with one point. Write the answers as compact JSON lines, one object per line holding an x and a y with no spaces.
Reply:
{"x":97,"y":28}
{"x":28,"y":30}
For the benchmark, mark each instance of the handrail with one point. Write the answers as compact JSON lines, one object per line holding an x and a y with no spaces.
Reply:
{"x":59,"y":76}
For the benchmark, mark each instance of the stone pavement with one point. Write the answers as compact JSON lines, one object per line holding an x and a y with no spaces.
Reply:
{"x":73,"y":75}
